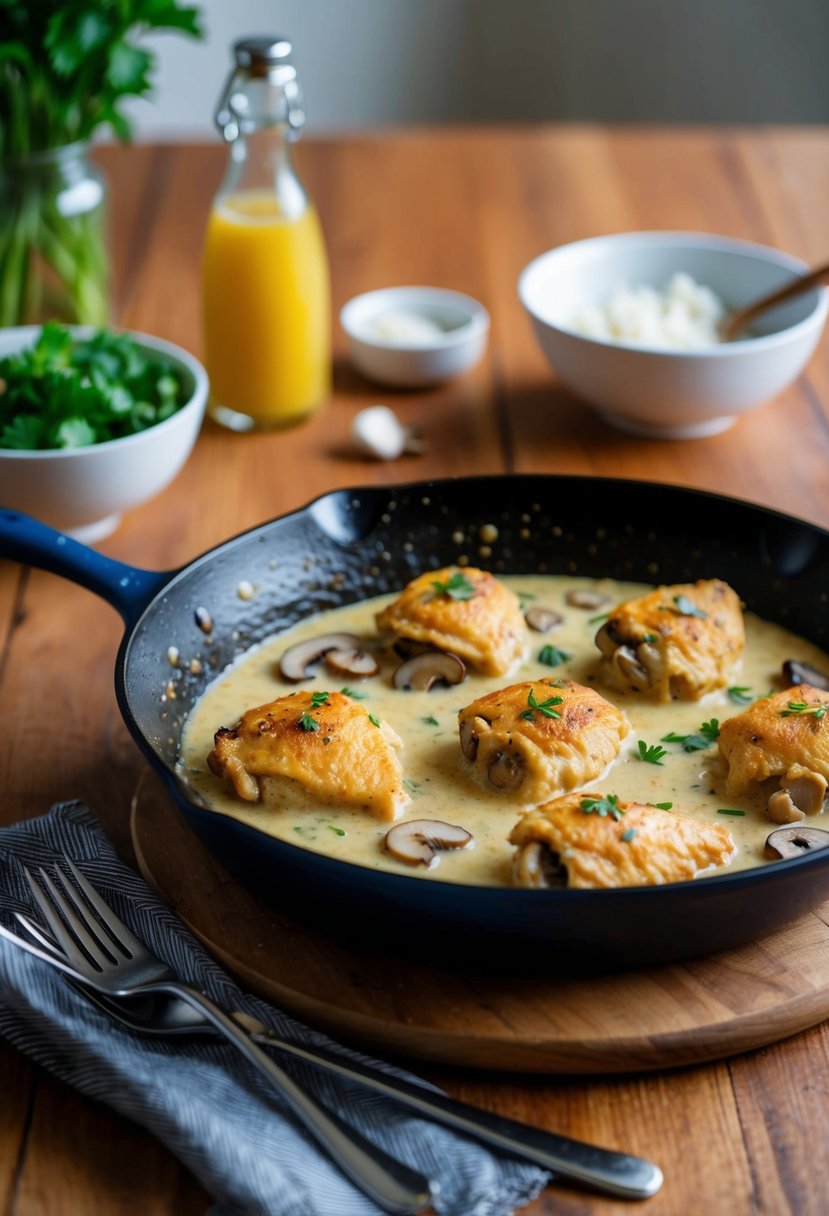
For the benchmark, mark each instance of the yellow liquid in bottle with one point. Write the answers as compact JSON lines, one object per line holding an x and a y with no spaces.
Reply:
{"x":266,"y":312}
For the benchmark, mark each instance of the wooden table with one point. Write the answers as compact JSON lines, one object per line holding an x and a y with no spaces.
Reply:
{"x":465,"y":209}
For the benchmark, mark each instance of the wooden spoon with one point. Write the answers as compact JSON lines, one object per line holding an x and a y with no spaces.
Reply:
{"x":731,"y":325}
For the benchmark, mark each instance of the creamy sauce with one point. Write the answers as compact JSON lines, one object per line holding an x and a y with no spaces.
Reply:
{"x":436,"y":774}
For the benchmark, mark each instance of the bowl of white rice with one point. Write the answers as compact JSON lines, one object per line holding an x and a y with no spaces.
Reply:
{"x":631,"y":325}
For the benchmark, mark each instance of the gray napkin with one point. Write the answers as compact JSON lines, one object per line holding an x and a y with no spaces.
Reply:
{"x":197,"y":1095}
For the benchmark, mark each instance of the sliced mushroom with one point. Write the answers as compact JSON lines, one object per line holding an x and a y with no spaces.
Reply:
{"x":781,"y":809}
{"x":536,"y":865}
{"x":358,"y":664}
{"x":506,"y":771}
{"x":795,"y":841}
{"x":429,"y":668}
{"x":470,"y":732}
{"x":807,"y":791}
{"x":630,"y":670}
{"x":297,"y":662}
{"x":651,"y":659}
{"x":795,"y":672}
{"x":607,"y":639}
{"x":418,"y":841}
{"x":541,"y":619}
{"x":590,"y":600}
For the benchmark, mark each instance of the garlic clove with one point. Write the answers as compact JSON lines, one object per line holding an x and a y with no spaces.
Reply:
{"x":378,"y":432}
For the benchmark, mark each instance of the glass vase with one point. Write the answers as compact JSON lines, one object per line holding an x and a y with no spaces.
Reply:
{"x":53,"y":256}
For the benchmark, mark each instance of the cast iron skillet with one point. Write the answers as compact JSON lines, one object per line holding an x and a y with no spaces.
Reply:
{"x":351,"y":544}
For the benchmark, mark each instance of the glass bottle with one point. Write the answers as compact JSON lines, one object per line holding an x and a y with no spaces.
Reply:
{"x":266,"y":294}
{"x":53,"y":257}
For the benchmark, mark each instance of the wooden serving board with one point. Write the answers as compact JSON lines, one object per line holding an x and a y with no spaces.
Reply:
{"x":659,"y":1017}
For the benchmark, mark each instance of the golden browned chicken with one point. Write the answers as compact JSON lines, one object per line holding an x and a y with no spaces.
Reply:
{"x":597,"y":840}
{"x":321,"y":746}
{"x":677,"y":642}
{"x":467,"y":612}
{"x":782,"y":740}
{"x":540,"y":738}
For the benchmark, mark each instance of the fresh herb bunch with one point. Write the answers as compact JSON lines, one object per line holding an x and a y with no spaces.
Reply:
{"x":65,"y":394}
{"x":65,"y":69}
{"x":66,"y":65}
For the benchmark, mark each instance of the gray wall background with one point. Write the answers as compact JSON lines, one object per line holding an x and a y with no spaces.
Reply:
{"x":370,"y":63}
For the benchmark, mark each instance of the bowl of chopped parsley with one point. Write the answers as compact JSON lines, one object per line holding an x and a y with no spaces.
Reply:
{"x":93,"y":422}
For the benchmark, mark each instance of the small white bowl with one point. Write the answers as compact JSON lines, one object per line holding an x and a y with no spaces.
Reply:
{"x":84,"y":491}
{"x":671,"y":394}
{"x":414,"y":336}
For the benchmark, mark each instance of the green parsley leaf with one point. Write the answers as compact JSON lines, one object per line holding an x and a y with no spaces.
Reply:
{"x":594,"y":620}
{"x":64,"y":394}
{"x":308,"y":723}
{"x":431,"y":720}
{"x":628,"y":834}
{"x":374,"y":720}
{"x":52,"y":49}
{"x":609,"y":805}
{"x":740,"y":694}
{"x":551,"y":656}
{"x":724,"y":810}
{"x":801,"y":707}
{"x":318,"y":699}
{"x":354,"y":693}
{"x":652,"y":754}
{"x":686,"y":607}
{"x":458,"y":587}
{"x":661,"y":806}
{"x":543,"y":707}
{"x":708,"y":733}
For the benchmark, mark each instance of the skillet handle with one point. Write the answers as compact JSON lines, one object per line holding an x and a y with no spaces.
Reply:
{"x":32,"y":543}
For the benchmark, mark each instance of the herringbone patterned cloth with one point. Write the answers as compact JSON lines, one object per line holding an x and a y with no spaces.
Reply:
{"x":196,"y":1094}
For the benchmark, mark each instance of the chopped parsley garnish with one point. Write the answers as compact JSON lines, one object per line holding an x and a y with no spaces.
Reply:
{"x":431,"y":720}
{"x":318,"y":699}
{"x":308,"y":723}
{"x":652,"y":754}
{"x":707,"y":734}
{"x":335,"y":830}
{"x":662,"y":806}
{"x":374,"y":720}
{"x":543,"y":707}
{"x":650,"y":637}
{"x":63,"y":393}
{"x":609,"y":805}
{"x":741,"y":694}
{"x":801,"y":707}
{"x":686,"y":607}
{"x":551,"y":656}
{"x":594,"y":620}
{"x":354,"y":693}
{"x":628,"y":834}
{"x":410,"y":784}
{"x":458,"y":587}
{"x":725,"y":810}
{"x":525,"y":597}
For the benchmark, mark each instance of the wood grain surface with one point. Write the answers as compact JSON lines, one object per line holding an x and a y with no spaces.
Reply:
{"x":462,"y":208}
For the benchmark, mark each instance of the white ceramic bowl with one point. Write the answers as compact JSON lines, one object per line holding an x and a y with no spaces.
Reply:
{"x":676,"y":394}
{"x":84,"y":491}
{"x":387,"y":343}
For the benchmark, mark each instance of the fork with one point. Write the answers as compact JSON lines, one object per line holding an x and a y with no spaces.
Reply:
{"x":102,"y":953}
{"x":169,"y":1008}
